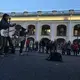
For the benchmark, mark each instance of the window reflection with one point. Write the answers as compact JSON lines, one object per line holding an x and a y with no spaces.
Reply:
{"x":76,"y":31}
{"x":31,"y":30}
{"x":45,"y":30}
{"x":61,"y":30}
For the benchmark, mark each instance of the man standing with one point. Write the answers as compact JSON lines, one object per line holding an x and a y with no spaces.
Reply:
{"x":22,"y":34}
{"x":27,"y":45}
{"x":4,"y":25}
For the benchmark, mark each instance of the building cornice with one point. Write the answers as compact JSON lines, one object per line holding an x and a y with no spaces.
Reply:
{"x":46,"y":18}
{"x":54,"y":15}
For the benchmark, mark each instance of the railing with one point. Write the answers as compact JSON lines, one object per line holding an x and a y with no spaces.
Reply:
{"x":43,"y":13}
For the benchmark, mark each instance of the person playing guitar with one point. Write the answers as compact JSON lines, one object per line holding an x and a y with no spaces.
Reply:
{"x":4,"y":27}
{"x":21,"y":33}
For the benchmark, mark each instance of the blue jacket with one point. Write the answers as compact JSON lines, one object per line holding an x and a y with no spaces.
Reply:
{"x":4,"y":24}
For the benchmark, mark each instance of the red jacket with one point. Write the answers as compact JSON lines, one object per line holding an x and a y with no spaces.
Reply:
{"x":75,"y":46}
{"x":28,"y":41}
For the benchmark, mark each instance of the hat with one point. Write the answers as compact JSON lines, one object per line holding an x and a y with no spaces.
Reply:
{"x":4,"y":15}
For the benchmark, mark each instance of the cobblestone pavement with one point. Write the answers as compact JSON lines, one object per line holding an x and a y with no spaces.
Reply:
{"x":35,"y":67}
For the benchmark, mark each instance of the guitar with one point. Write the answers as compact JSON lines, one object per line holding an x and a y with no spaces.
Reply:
{"x":21,"y":38}
{"x":5,"y":33}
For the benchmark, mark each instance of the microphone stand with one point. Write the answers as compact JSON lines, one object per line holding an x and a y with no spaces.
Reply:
{"x":8,"y":32}
{"x":9,"y":26}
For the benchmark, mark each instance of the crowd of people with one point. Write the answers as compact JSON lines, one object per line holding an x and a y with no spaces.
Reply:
{"x":6,"y":41}
{"x":44,"y":46}
{"x":65,"y":48}
{"x":70,"y":48}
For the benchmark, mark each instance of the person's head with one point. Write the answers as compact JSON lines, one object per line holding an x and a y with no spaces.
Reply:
{"x":18,"y":27}
{"x":6,"y":17}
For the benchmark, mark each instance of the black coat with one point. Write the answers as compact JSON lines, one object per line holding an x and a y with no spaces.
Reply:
{"x":5,"y":24}
{"x":23,"y":32}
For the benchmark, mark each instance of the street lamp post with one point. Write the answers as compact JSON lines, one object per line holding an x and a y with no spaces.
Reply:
{"x":37,"y":30}
{"x":70,"y":28}
{"x":78,"y":32}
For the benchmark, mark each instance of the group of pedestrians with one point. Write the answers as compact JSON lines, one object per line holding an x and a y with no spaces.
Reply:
{"x":70,"y":48}
{"x":7,"y":45}
{"x":65,"y":48}
{"x":42,"y":47}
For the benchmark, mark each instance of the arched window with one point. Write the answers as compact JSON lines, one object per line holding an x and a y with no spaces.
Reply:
{"x":31,"y":30}
{"x":45,"y":30}
{"x":61,"y":30}
{"x":60,"y":40}
{"x":76,"y":31}
{"x":44,"y":41}
{"x":76,"y":40}
{"x":31,"y":39}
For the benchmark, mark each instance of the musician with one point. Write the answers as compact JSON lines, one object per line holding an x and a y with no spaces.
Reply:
{"x":5,"y":24}
{"x":23,"y":33}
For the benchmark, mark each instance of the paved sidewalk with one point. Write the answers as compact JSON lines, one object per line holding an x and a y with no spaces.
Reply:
{"x":35,"y":67}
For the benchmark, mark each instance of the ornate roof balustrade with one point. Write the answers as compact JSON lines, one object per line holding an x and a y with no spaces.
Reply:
{"x":44,"y":13}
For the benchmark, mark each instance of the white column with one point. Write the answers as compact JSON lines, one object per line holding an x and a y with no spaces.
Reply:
{"x":53,"y":32}
{"x":69,"y":32}
{"x":38,"y":31}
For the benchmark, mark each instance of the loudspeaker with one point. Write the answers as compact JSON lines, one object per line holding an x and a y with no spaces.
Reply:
{"x":55,"y":56}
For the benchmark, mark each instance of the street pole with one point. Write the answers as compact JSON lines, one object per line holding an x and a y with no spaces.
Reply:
{"x":70,"y":33}
{"x":37,"y":31}
{"x":78,"y":33}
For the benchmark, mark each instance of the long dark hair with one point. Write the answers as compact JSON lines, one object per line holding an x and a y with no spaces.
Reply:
{"x":4,"y":16}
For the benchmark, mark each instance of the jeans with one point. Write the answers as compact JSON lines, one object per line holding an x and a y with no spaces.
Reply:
{"x":4,"y":45}
{"x":22,"y":46}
